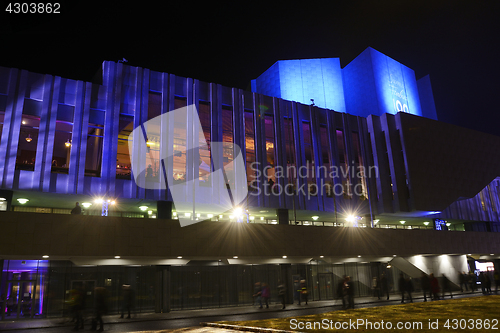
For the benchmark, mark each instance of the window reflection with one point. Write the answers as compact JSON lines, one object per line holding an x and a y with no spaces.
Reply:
{"x":325,"y":154}
{"x":205,"y":165}
{"x":28,"y":140}
{"x":358,"y":164}
{"x":290,"y":151}
{"x":123,"y":165}
{"x":250,"y":147}
{"x":153,"y":139}
{"x":269,"y":130}
{"x":95,"y":135}
{"x":309,"y":157}
{"x":62,"y":147}
{"x":179,"y":172}
{"x":343,"y":166}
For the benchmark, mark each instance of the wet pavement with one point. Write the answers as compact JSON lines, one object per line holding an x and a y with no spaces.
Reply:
{"x":189,"y":320}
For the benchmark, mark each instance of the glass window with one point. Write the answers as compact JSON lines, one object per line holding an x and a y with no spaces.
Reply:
{"x":309,"y":157}
{"x":62,"y":147}
{"x":388,"y":163}
{"x":290,"y":151}
{"x":359,"y":165}
{"x":250,"y":147}
{"x":154,"y":105}
{"x":341,"y":146}
{"x":205,"y":165}
{"x":269,"y":130}
{"x":325,"y":154}
{"x":123,"y":165}
{"x":28,"y":140}
{"x":227,"y":135}
{"x":343,"y":166}
{"x":153,"y":138}
{"x":95,"y":135}
{"x":179,"y":172}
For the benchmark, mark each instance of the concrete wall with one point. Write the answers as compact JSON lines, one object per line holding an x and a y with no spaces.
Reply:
{"x":449,"y":265}
{"x":30,"y":235}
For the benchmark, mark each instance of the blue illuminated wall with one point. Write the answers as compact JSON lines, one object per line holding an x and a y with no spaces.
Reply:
{"x":372,"y":83}
{"x":376,"y":84}
{"x":303,"y":80}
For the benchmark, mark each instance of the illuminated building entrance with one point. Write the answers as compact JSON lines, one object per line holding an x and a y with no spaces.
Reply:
{"x":22,"y":290}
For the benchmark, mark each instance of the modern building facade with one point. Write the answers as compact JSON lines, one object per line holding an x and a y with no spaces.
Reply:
{"x":337,"y":186}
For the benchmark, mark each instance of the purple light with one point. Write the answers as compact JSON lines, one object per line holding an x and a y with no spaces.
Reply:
{"x":40,"y":300}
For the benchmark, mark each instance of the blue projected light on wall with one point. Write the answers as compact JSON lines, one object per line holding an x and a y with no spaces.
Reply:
{"x":376,"y":84}
{"x":304,"y":81}
{"x":372,"y":83}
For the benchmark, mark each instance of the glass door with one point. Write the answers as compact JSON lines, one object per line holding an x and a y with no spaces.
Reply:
{"x":325,"y":286}
{"x":20,"y":299}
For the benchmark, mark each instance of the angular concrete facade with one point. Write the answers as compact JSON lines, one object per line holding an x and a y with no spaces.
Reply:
{"x":64,"y":141}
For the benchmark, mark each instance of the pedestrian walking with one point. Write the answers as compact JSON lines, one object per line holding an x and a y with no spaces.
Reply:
{"x":350,"y":292}
{"x":402,"y":286}
{"x":409,"y":288}
{"x":342,"y":292}
{"x":257,"y":294}
{"x":487,"y":281}
{"x":472,"y":282}
{"x":384,"y":285}
{"x":266,"y":293}
{"x":100,"y":308}
{"x":426,"y":286}
{"x":128,"y":296}
{"x":462,"y":278}
{"x":482,"y":280}
{"x":296,"y":291}
{"x":434,"y":287}
{"x":303,"y":290}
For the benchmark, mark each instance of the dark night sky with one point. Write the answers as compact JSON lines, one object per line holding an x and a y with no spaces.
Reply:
{"x":456,"y":42}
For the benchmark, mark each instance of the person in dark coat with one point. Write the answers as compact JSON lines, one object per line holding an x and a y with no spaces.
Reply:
{"x":426,"y":286}
{"x":384,"y":285}
{"x":472,"y":282}
{"x":77,"y":210}
{"x":77,"y":300}
{"x":350,"y":292}
{"x":342,"y":292}
{"x":402,"y":286}
{"x":434,"y":287}
{"x":304,"y":293}
{"x":409,"y":288}
{"x":296,"y":291}
{"x":266,"y":293}
{"x":128,"y":297}
{"x":100,"y":308}
{"x":257,"y":294}
{"x":487,"y":281}
{"x":462,"y":277}
{"x":482,"y":279}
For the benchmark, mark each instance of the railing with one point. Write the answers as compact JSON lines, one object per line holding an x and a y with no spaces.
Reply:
{"x":251,"y":219}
